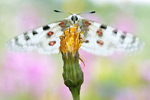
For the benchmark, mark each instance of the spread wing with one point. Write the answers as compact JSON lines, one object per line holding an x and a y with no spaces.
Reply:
{"x":44,"y":39}
{"x":105,"y":40}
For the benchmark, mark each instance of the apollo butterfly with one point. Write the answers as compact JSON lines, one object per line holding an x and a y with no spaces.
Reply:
{"x":98,"y":38}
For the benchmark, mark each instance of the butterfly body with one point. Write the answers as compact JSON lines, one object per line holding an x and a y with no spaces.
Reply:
{"x":96,"y":38}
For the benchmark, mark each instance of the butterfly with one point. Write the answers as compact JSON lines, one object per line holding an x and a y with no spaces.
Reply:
{"x":99,"y":39}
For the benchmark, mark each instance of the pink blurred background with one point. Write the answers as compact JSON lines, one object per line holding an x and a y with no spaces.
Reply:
{"x":31,"y":76}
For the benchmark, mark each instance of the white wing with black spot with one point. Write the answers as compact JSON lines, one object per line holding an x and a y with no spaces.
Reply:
{"x":43,"y":39}
{"x":105,"y":40}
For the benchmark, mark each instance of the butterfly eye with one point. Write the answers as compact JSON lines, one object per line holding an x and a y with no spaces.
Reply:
{"x":76,"y":18}
{"x":72,"y":18}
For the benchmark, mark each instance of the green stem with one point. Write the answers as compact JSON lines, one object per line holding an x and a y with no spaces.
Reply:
{"x":75,"y":93}
{"x":72,"y":74}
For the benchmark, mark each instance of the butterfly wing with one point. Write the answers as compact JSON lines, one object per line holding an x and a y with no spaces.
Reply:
{"x":44,"y":39}
{"x":105,"y":40}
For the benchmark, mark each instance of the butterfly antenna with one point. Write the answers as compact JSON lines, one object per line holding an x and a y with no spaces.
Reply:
{"x":58,"y":11}
{"x":91,"y":12}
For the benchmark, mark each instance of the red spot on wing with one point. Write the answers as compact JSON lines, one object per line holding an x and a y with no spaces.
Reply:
{"x":50,"y":33}
{"x":87,"y":23}
{"x":61,"y":24}
{"x":99,"y":32}
{"x":86,"y":41}
{"x":52,"y":43}
{"x":100,"y":42}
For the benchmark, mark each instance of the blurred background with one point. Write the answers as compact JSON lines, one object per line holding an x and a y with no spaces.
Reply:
{"x":31,"y":76}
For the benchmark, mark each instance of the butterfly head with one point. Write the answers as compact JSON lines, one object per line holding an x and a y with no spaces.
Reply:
{"x":74,"y":18}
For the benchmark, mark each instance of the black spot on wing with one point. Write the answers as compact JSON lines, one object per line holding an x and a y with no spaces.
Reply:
{"x":46,"y":27}
{"x":123,"y":36}
{"x":17,"y":41}
{"x":115,"y":31}
{"x":103,"y":26}
{"x":26,"y":37}
{"x":34,"y":32}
